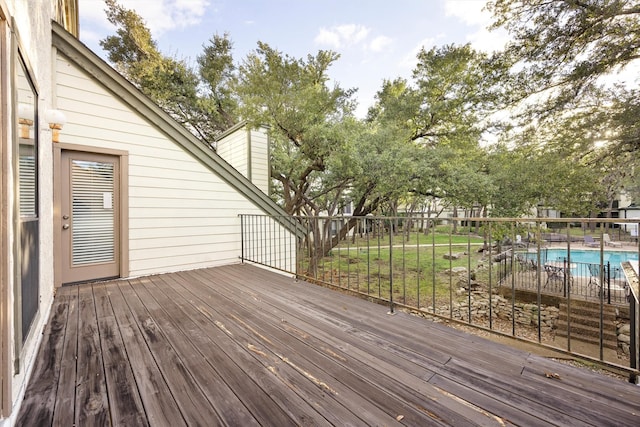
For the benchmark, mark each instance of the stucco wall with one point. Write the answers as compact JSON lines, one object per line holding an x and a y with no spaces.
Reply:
{"x":32,"y":34}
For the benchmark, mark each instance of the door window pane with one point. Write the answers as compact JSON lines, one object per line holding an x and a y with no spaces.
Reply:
{"x":92,"y":212}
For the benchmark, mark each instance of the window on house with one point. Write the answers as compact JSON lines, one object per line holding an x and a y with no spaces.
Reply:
{"x":27,"y":134}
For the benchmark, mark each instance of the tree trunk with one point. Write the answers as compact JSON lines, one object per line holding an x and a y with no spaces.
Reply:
{"x":455,"y":222}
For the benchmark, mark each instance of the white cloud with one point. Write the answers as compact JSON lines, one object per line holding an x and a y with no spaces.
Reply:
{"x":342,"y":35}
{"x":488,"y":41}
{"x":408,"y":63}
{"x":380,"y":43}
{"x":468,"y":11}
{"x":328,"y":38}
{"x":160,"y":15}
{"x":472,"y":13}
{"x":94,"y":11}
{"x":185,"y":13}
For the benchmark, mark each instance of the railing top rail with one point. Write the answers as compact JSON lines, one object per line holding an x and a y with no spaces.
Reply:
{"x":478,"y":219}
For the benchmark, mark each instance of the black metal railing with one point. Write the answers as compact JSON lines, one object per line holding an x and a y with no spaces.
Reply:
{"x":525,"y":278}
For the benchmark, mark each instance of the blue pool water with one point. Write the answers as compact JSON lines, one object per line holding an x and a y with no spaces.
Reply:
{"x":590,"y":257}
{"x":580,"y":259}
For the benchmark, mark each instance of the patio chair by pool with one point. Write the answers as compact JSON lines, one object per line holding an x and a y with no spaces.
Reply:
{"x":588,"y":241}
{"x":609,"y":242}
{"x":554,"y":274}
{"x":594,"y":280}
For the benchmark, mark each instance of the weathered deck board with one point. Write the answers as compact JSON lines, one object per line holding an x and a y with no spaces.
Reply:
{"x":366,"y":365}
{"x":159,"y":404}
{"x":124,"y":398}
{"x":208,"y":338}
{"x":39,"y":405}
{"x":64,"y":412}
{"x":194,"y":361}
{"x":238,"y":345}
{"x":279,"y":356}
{"x":91,"y":388}
{"x":336,"y":377}
{"x":167,"y":348}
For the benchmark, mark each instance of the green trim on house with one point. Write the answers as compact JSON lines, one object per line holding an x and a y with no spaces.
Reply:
{"x":114,"y":82}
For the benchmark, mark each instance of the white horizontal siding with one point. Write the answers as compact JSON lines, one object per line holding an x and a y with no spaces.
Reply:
{"x":260,"y":160}
{"x":181,"y":215}
{"x":233,"y":148}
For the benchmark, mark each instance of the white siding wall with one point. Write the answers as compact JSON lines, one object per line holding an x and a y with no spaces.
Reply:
{"x":233,"y":148}
{"x":260,"y":159}
{"x":181,"y":215}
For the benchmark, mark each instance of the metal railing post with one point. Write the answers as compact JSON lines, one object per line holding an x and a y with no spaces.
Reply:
{"x":608,"y":282}
{"x":391,"y":308}
{"x":241,"y":239}
{"x":633,"y":332}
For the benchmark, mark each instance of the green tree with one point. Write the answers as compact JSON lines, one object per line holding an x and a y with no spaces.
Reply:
{"x":443,"y":114}
{"x":217,"y":78}
{"x":199,"y":101}
{"x":306,"y":118}
{"x":456,"y":90}
{"x":543,"y":168}
{"x":562,"y":49}
{"x":569,"y":43}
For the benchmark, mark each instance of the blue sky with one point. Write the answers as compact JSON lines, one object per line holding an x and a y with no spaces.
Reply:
{"x":377,"y":39}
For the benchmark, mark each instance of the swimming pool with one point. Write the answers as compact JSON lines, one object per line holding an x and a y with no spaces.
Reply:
{"x":588,"y":257}
{"x":580,"y":259}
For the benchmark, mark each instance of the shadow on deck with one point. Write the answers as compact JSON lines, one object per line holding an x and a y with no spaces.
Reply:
{"x":238,"y":345}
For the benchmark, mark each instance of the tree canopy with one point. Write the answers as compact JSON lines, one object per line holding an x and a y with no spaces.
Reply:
{"x":569,"y":52}
{"x":569,"y":44}
{"x":425,"y":137}
{"x":305,"y":116}
{"x":200,"y":101}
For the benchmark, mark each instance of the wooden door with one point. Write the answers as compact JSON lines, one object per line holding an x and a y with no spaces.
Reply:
{"x":90,"y":213}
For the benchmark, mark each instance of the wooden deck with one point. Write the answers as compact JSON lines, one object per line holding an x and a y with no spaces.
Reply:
{"x":240,"y":346}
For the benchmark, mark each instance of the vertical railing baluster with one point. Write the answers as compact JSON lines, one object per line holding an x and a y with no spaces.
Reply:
{"x":368,"y":257}
{"x":380,"y":229}
{"x":539,"y":277}
{"x":242,"y":237}
{"x":469,"y":270}
{"x":490,"y":238}
{"x":418,"y":267}
{"x":404,"y":264}
{"x":451,"y":272}
{"x":513,"y":281}
{"x":433,"y":265}
{"x":634,"y":319}
{"x":608,"y":282}
{"x":391,"y":308}
{"x":601,"y":299}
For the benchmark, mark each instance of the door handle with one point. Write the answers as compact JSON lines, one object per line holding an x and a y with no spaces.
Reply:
{"x":65,"y":226}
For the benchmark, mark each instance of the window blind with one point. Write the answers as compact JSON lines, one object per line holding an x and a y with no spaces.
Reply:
{"x":92,"y":212}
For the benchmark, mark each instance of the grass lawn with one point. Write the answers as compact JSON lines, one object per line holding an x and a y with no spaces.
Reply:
{"x":418,"y":268}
